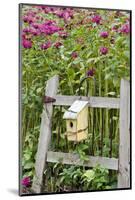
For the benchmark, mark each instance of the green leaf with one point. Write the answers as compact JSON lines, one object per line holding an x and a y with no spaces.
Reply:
{"x":29,"y":165}
{"x":39,"y":90}
{"x":108,"y":76}
{"x":71,"y":73}
{"x":90,"y":175}
{"x":111,"y":93}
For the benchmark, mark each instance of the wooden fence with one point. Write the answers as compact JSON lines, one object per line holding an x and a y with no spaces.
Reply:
{"x":122,"y":164}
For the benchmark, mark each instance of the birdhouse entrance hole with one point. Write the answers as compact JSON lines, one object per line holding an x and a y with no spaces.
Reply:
{"x":71,"y":124}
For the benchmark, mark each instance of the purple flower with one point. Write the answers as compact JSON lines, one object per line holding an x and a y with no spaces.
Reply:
{"x":50,"y":22}
{"x":59,"y":13}
{"x":74,"y":54}
{"x":31,"y":13}
{"x":103,"y":50}
{"x":35,"y":32}
{"x":49,"y":29}
{"x":96,"y":19}
{"x":115,"y":28}
{"x":65,"y":14}
{"x":48,"y":9}
{"x":63,"y":34}
{"x":26,"y":181}
{"x":26,"y":30}
{"x":46,"y":45}
{"x":35,"y":25}
{"x":104,"y":34}
{"x":125,"y":29}
{"x":23,"y":36}
{"x":28,"y":19}
{"x":57,"y":44}
{"x":91,"y":72}
{"x":27,"y":44}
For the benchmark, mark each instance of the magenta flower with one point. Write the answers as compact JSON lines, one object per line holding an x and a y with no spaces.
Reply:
{"x":23,"y":36}
{"x":26,"y":30}
{"x":125,"y":29}
{"x":59,"y":13}
{"x":26,"y":181}
{"x":37,"y":17}
{"x":58,"y":44}
{"x":74,"y":54}
{"x":63,"y":34}
{"x":35,"y":25}
{"x":49,"y":9}
{"x":66,"y":14}
{"x":28,"y":19}
{"x":103,"y":50}
{"x":104,"y":34}
{"x":27,"y":44}
{"x":31,"y":13}
{"x":91,"y":72}
{"x":46,"y":45}
{"x":50,"y":22}
{"x":96,"y":19}
{"x":115,"y":28}
{"x":49,"y":29}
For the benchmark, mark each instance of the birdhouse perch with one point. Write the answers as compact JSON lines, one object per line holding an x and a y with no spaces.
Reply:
{"x":77,"y":121}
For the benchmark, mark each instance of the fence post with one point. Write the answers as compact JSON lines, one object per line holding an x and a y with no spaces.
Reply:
{"x":45,"y":135}
{"x":124,"y":138}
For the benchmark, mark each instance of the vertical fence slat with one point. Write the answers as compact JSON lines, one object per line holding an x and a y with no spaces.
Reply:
{"x":45,"y":135}
{"x":124,"y":139}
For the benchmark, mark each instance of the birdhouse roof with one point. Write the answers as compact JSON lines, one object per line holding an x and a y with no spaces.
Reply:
{"x":75,"y":109}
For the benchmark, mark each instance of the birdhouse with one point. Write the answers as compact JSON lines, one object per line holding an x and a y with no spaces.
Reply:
{"x":77,"y":121}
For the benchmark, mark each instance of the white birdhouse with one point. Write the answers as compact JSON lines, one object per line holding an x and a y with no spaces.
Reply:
{"x":77,"y":121}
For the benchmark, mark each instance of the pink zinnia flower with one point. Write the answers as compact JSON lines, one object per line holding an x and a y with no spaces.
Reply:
{"x":104,"y":34}
{"x":103,"y":50}
{"x":96,"y":19}
{"x":27,"y":44}
{"x":26,"y":181}
{"x":46,"y":45}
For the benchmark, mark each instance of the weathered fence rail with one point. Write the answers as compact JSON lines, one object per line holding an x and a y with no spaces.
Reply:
{"x":73,"y":159}
{"x":94,"y":102}
{"x":122,"y":164}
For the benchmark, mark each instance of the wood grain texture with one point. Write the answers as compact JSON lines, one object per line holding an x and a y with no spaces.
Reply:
{"x":45,"y":135}
{"x":73,"y":159}
{"x":94,"y":102}
{"x":124,"y":139}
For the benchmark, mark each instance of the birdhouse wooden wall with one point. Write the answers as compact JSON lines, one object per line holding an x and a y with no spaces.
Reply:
{"x":82,"y":124}
{"x":77,"y":121}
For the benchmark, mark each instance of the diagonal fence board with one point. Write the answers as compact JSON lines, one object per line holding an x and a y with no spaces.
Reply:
{"x":73,"y":159}
{"x":45,"y":135}
{"x":94,"y":102}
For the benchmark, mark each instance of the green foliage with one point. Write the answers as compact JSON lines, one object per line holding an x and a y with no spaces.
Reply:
{"x":96,"y":179}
